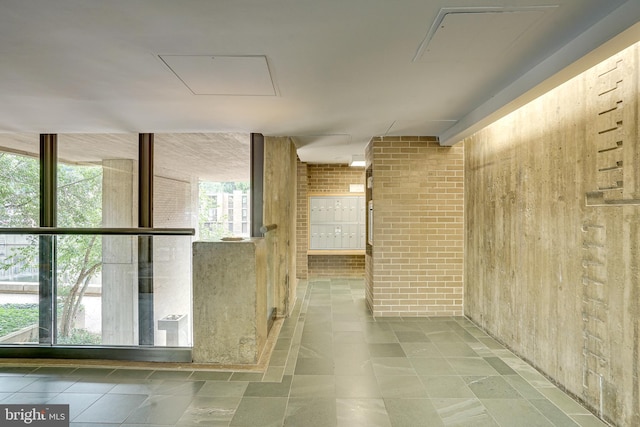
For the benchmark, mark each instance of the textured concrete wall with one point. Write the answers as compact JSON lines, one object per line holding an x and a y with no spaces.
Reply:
{"x":229,"y":301}
{"x":280,"y":208}
{"x":416,"y":264}
{"x":552,"y":256}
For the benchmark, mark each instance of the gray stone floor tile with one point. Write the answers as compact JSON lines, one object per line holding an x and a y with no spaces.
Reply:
{"x":588,"y":421}
{"x":333,"y":365}
{"x":405,"y":386}
{"x":392,"y":366}
{"x":412,"y":413}
{"x":563,"y":401}
{"x":131,"y":373}
{"x":273,"y":374}
{"x":14,"y":384}
{"x":463,"y":413}
{"x":455,"y":349}
{"x":77,"y":402}
{"x":91,"y":372}
{"x":111,"y":408}
{"x":362,"y":413}
{"x":506,"y":411}
{"x":159,"y":409}
{"x":48,"y":385}
{"x":209,"y":411}
{"x":210,"y":376}
{"x":492,"y":387}
{"x":266,"y":389}
{"x":16,"y":370}
{"x":314,"y":366}
{"x":553,"y":413}
{"x":311,"y":412}
{"x":497,"y":364}
{"x":357,"y":386}
{"x":246,"y":376}
{"x":411,"y":336}
{"x":420,"y":349}
{"x":471,"y":366}
{"x":386,"y":350}
{"x":264,"y":412}
{"x":316,"y":349}
{"x":170,"y":375}
{"x":223,"y":389}
{"x":523,"y":387}
{"x":35,"y":398}
{"x":313,"y":386}
{"x":451,"y":387}
{"x":178,"y":388}
{"x":349,"y":365}
{"x":57,"y":371}
{"x":432,"y":366}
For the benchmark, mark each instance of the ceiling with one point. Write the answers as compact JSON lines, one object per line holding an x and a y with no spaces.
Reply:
{"x":330,"y":74}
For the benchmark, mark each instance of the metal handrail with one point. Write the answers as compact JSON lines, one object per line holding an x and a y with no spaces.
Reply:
{"x":140,"y":231}
{"x":266,"y":228}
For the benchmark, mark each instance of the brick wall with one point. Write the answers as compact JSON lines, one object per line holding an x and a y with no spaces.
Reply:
{"x":333,"y":178}
{"x":336,"y":266}
{"x":327,"y":179}
{"x":416,"y":264}
{"x":302,"y":223}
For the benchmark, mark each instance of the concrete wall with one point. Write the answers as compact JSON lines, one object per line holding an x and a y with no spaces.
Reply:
{"x":416,"y":262}
{"x":279,"y":200}
{"x":552,"y":257}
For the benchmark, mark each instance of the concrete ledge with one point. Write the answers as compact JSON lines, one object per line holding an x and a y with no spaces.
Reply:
{"x":229,"y":301}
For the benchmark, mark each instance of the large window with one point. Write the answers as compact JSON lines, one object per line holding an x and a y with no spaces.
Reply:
{"x":93,"y":279}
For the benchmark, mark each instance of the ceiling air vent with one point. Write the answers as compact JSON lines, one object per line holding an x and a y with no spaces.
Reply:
{"x":477,"y":32}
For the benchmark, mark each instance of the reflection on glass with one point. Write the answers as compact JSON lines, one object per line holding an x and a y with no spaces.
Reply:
{"x":19,"y":309}
{"x":19,"y":207}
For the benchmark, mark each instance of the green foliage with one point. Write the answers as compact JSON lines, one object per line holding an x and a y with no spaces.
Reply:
{"x":19,"y":191}
{"x":80,"y":337}
{"x":14,"y":317}
{"x":79,"y":194}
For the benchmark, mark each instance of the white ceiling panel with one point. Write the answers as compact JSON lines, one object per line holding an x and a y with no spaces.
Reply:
{"x":222,"y":75}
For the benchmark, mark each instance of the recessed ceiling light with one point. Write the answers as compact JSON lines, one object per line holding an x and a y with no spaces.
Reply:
{"x":357,"y":161}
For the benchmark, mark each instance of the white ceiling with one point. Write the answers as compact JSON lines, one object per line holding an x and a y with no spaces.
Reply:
{"x":331,"y":73}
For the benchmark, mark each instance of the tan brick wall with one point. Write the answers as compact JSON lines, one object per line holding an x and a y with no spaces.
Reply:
{"x":329,"y":179}
{"x":416,"y":266}
{"x":302,"y":223}
{"x":336,"y":266}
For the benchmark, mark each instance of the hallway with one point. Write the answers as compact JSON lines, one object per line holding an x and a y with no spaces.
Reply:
{"x":332,"y":365}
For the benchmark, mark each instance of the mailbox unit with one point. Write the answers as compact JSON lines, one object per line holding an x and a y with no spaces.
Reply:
{"x":336,"y":224}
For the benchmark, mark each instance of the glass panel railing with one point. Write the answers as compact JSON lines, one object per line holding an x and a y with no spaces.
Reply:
{"x":19,"y":289}
{"x":105,"y":294}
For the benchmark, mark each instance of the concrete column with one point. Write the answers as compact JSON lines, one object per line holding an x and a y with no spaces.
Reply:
{"x":280,"y":171}
{"x":119,"y":254}
{"x":229,"y":301}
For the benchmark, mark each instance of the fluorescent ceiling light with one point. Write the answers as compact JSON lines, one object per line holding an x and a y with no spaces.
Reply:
{"x":357,"y":161}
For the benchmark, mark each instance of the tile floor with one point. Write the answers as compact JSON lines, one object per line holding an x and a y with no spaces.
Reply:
{"x":332,"y":365}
